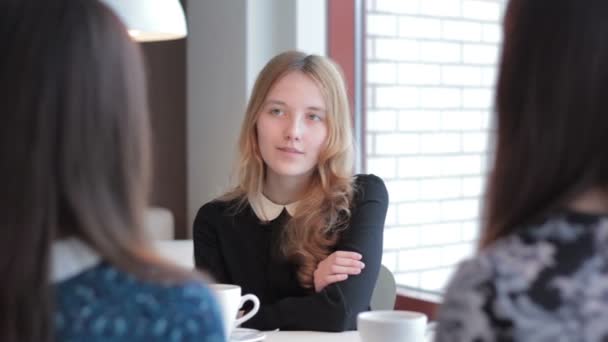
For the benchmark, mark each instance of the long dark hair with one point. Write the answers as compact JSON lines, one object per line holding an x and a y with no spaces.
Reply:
{"x":551,"y":104}
{"x":73,"y":151}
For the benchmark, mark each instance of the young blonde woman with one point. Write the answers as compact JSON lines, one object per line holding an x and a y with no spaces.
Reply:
{"x":299,"y":230}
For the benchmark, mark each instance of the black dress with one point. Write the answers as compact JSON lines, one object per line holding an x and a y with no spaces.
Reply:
{"x":237,"y":248}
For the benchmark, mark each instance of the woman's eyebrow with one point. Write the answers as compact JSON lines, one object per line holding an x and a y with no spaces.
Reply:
{"x":281,"y":103}
{"x":316,"y":108}
{"x":275,"y":102}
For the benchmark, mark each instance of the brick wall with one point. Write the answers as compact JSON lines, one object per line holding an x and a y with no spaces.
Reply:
{"x":431,"y":68}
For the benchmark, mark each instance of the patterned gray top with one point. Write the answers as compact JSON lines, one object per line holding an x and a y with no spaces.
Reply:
{"x":546,"y":282}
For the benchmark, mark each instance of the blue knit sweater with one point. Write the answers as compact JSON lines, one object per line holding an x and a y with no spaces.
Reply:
{"x":103,"y":303}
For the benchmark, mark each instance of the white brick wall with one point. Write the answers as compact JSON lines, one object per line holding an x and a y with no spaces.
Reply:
{"x":461,"y":120}
{"x":381,"y":120}
{"x":440,"y":8}
{"x":477,"y":98}
{"x":439,"y":234}
{"x":440,"y":97}
{"x":461,"y":30}
{"x":381,"y":25}
{"x":455,"y":75}
{"x":417,"y":27}
{"x":397,"y":97}
{"x":482,"y":10}
{"x":440,"y":52}
{"x":479,"y":54}
{"x":395,"y":7}
{"x":394,"y":143}
{"x":419,"y":167}
{"x":391,"y":215}
{"x":382,"y":73}
{"x":491,"y":33}
{"x":435,"y":279}
{"x":439,"y":143}
{"x":396,"y":49}
{"x":488,"y":76}
{"x":419,"y":120}
{"x":440,"y":188}
{"x":418,"y":74}
{"x":386,"y":168}
{"x":403,"y":190}
{"x":431,"y":69}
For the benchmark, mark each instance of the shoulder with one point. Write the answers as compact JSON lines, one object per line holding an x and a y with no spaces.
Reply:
{"x":369,"y":178}
{"x":370,"y":187}
{"x":462,"y":315}
{"x":481,"y":292}
{"x":215,"y":207}
{"x":120,"y":306}
{"x":217,"y":210}
{"x":469,"y":276}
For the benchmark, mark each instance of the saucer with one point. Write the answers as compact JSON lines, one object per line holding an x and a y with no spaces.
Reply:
{"x":246,"y":335}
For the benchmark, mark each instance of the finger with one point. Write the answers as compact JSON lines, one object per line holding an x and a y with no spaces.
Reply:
{"x":334,"y":278}
{"x":345,"y":270}
{"x":346,"y":254}
{"x":349,"y":262}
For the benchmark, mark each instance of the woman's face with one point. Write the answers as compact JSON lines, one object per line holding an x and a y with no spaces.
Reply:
{"x":292,"y":126}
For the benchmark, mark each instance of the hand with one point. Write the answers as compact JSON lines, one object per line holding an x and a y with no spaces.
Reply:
{"x":337,"y":267}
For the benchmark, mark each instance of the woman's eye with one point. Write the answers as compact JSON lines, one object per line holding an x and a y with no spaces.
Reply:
{"x":314,"y":117}
{"x":276,"y":111}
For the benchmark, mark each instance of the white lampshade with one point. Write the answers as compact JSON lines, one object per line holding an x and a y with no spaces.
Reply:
{"x":151,"y":20}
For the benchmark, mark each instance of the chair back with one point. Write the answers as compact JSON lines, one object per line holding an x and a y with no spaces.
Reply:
{"x":180,"y":252}
{"x":385,"y":291}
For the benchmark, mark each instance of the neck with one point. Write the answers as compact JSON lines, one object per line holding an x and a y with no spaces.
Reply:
{"x":285,"y":189}
{"x":592,"y":201}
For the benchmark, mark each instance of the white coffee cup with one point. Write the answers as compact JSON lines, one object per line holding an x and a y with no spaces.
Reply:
{"x":230,"y":301}
{"x":392,"y":326}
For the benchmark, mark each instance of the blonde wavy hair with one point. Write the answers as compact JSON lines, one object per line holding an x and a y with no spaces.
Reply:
{"x":324,"y":210}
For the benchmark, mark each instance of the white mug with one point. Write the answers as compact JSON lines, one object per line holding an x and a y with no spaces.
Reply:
{"x":392,"y":326}
{"x":230,"y":301}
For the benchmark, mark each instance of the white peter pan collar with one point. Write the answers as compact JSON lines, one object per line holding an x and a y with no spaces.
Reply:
{"x":267,"y":210}
{"x":69,"y":257}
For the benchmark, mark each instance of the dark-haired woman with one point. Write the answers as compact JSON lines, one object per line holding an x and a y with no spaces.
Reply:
{"x":541,"y":273}
{"x":74,"y":263}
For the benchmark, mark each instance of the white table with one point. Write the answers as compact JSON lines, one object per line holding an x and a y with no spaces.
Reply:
{"x":316,"y":336}
{"x":311,"y":336}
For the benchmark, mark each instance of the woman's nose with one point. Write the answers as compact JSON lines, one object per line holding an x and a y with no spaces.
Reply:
{"x":293,"y":130}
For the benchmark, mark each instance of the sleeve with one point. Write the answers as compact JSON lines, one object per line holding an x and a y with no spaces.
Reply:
{"x":464,"y":314}
{"x":207,"y":251}
{"x":337,"y":306}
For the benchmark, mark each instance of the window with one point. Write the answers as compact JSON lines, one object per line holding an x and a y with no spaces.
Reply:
{"x":430,"y":71}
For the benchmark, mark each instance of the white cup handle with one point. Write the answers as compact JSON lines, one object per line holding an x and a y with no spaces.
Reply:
{"x":256,"y":307}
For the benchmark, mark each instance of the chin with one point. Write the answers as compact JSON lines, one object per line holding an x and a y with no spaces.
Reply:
{"x":291,"y":171}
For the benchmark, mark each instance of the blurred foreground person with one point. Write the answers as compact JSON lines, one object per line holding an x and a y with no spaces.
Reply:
{"x":74,"y":262}
{"x":541,"y":273}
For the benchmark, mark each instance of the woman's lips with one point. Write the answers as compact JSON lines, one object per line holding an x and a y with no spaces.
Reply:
{"x":290,"y":150}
